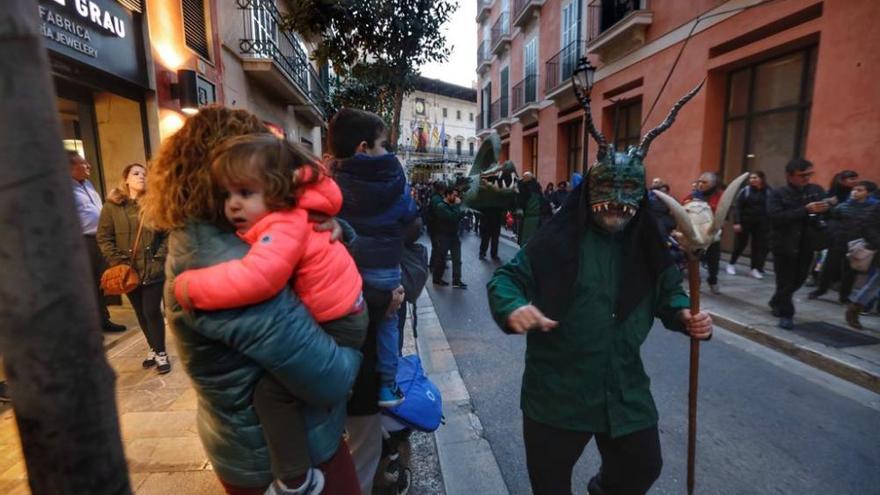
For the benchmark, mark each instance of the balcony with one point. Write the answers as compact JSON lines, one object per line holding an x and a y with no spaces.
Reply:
{"x":484,"y":56}
{"x":525,"y":99}
{"x":500,"y":112}
{"x":275,"y":58}
{"x":617,"y":27}
{"x":484,"y":7}
{"x":525,"y":10}
{"x":483,"y":123}
{"x":501,"y":34}
{"x":558,"y":71}
{"x":449,"y":152}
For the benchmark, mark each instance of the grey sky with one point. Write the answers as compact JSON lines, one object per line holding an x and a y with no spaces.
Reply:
{"x":461,"y":33}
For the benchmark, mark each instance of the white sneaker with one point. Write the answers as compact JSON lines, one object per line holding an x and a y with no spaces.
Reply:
{"x":313,"y":485}
{"x":756,"y":274}
{"x":731,"y":270}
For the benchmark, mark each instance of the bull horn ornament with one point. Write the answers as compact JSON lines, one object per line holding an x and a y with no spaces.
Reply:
{"x":695,"y":220}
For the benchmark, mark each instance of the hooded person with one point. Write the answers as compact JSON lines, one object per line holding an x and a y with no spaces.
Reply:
{"x":586,"y":290}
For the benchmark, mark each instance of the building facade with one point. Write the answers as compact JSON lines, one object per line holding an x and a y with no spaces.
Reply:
{"x":437,"y":130}
{"x":128,"y":72}
{"x":783,"y":79}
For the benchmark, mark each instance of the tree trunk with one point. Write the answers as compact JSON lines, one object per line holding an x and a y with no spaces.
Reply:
{"x":58,"y":375}
{"x":395,"y":121}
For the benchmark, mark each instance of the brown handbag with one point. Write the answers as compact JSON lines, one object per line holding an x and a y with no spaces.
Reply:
{"x":122,"y":278}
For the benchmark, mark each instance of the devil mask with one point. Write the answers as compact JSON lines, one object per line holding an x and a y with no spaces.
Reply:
{"x":617,"y":180}
{"x":617,"y":186}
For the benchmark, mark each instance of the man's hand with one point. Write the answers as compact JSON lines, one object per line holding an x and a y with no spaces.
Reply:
{"x":699,"y":326}
{"x":324,"y":223}
{"x":737,"y":228}
{"x":396,"y":300}
{"x":528,"y":318}
{"x":818,"y":207}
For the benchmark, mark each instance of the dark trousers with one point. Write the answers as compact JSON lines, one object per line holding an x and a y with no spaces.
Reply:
{"x":791,"y":272}
{"x":97,"y":266}
{"x":836,"y":267}
{"x":284,"y":428}
{"x":760,"y":235}
{"x":490,"y":232}
{"x":712,"y":257}
{"x":147,"y":303}
{"x":630,"y":464}
{"x":432,"y":260}
{"x":445,"y":244}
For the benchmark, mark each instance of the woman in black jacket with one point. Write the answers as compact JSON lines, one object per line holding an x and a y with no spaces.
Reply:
{"x":750,"y":220}
{"x":117,"y":230}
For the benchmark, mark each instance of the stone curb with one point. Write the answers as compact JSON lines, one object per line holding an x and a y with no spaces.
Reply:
{"x":467,"y":463}
{"x":848,"y":371}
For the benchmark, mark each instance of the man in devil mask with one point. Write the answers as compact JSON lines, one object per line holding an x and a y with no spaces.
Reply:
{"x":586,"y":290}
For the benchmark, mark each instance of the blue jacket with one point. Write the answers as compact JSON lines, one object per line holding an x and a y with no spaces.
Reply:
{"x":376,"y":201}
{"x":226,"y":352}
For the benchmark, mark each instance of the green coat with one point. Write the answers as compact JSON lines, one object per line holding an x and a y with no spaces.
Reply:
{"x":587,"y":374}
{"x":446,"y":218}
{"x":117,"y":229}
{"x":226,"y":352}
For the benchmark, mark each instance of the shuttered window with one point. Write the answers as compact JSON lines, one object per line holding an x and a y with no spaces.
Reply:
{"x":194,"y":27}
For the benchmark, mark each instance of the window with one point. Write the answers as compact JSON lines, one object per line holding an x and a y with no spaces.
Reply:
{"x":194,"y":28}
{"x":444,"y":112}
{"x":767,"y":115}
{"x":458,"y":147}
{"x":530,"y":70}
{"x":471,"y":145}
{"x":505,"y":90}
{"x":574,"y":147}
{"x":458,"y":115}
{"x":627,"y":121}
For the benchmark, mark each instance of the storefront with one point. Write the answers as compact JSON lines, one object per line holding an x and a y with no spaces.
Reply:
{"x":97,"y":56}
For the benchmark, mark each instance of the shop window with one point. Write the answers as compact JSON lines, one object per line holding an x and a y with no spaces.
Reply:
{"x":532,"y":147}
{"x":195,"y":27}
{"x":574,"y":147}
{"x":627,"y":119}
{"x":767,"y":114}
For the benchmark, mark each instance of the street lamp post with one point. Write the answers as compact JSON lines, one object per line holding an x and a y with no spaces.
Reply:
{"x":582,"y":83}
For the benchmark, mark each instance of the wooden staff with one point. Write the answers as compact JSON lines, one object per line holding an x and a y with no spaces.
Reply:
{"x":694,"y":285}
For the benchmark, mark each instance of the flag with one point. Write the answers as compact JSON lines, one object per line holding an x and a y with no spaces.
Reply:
{"x":435,"y":136}
{"x":443,"y":135}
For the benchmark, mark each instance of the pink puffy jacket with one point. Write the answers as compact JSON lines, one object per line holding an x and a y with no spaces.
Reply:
{"x":285,"y":248}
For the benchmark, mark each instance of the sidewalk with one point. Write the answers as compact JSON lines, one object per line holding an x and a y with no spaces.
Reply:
{"x":821,"y":337}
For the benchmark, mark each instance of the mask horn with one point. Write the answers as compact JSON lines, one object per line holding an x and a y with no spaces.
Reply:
{"x":591,"y":127}
{"x":653,"y":133}
{"x":725,"y":202}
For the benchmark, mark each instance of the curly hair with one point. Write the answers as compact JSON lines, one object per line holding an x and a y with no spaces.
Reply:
{"x":281,"y":168}
{"x":179,"y":186}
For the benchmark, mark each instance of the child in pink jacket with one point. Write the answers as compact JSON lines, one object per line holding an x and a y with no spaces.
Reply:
{"x":269,"y":188}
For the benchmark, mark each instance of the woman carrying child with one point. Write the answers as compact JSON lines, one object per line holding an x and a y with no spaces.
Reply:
{"x":228,"y":352}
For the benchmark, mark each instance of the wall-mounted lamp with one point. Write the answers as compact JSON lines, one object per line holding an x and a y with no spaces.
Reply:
{"x":186,"y":90}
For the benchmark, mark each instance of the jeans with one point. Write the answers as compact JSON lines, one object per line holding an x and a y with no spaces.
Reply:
{"x":630,"y":464}
{"x":760,"y":235}
{"x":869,"y":291}
{"x":387,"y":335}
{"x":147,"y":303}
{"x":792,"y":270}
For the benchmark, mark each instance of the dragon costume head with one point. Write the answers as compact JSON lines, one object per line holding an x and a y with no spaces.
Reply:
{"x":616,"y":181}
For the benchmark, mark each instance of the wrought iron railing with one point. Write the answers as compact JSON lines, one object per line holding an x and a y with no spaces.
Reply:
{"x":525,"y":92}
{"x":602,"y":15}
{"x":501,"y":28}
{"x":561,"y":66}
{"x":263,"y":37}
{"x":519,"y":6}
{"x":499,"y":110}
{"x":484,"y":52}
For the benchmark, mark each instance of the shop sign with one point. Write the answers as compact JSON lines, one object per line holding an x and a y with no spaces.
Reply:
{"x":100,"y":33}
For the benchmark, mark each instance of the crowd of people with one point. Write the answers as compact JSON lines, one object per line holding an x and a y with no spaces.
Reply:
{"x":309,"y":253}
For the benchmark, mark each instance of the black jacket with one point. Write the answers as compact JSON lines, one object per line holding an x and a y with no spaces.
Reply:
{"x":750,"y":207}
{"x":793,"y":227}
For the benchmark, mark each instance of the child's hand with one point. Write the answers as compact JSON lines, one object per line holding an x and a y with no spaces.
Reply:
{"x":324,"y":223}
{"x":396,"y":300}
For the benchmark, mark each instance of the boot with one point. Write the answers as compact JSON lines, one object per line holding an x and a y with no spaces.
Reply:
{"x":852,"y":315}
{"x":593,"y":488}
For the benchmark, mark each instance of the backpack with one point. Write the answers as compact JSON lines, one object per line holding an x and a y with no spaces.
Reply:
{"x":423,"y":407}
